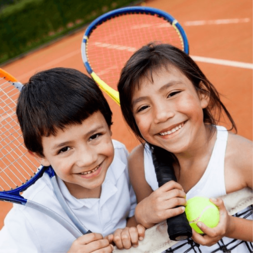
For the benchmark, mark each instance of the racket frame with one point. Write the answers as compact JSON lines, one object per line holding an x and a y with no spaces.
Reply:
{"x":13,"y":195}
{"x":121,"y":11}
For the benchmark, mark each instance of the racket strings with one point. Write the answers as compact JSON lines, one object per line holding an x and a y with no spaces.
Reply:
{"x":16,"y":165}
{"x":112,"y":43}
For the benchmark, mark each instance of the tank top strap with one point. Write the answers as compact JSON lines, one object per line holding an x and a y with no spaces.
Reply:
{"x":212,"y":183}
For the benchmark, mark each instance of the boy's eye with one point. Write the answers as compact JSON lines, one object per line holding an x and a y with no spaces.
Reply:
{"x":62,"y":150}
{"x":173,"y":93}
{"x":95,"y":136}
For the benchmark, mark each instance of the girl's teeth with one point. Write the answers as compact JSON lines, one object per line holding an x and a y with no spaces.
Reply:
{"x":172,"y":131}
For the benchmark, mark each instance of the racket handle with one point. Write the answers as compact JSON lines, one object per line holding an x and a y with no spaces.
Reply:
{"x":178,"y":226}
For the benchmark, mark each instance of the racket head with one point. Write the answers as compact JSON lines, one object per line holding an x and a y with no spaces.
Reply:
{"x":18,"y":168}
{"x":111,"y":39}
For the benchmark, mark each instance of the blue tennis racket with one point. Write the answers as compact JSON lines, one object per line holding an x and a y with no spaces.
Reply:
{"x":108,"y":42}
{"x":18,"y":169}
{"x":112,"y":38}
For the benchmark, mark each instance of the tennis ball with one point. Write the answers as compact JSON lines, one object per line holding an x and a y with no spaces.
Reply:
{"x":201,"y":209}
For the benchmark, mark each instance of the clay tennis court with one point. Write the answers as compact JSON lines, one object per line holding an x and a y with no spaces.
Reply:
{"x":220,"y":39}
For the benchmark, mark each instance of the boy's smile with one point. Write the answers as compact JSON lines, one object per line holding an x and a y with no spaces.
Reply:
{"x":168,"y":111}
{"x":81,"y":155}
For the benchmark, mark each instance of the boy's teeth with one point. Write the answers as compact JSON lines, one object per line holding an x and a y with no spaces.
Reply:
{"x":172,"y":130}
{"x":90,"y":171}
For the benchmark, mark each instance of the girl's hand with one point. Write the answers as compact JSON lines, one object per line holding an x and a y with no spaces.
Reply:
{"x":166,"y":202}
{"x":127,"y":237}
{"x":213,"y":235}
{"x":91,"y":243}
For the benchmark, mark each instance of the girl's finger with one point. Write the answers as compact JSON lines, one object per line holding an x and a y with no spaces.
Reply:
{"x":170,"y":186}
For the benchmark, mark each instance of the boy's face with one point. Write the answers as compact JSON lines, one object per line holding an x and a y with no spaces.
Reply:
{"x":81,"y":155}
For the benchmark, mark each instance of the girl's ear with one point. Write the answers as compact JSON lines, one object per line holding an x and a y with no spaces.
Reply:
{"x":43,"y":161}
{"x":204,"y":95}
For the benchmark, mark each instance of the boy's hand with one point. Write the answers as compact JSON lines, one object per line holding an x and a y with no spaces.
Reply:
{"x":91,"y":243}
{"x":163,"y":203}
{"x":127,"y":237}
{"x":213,"y":235}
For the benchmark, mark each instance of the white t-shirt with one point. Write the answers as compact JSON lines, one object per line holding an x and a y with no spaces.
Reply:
{"x":27,"y":230}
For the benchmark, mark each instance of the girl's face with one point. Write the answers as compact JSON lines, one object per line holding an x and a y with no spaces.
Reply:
{"x":168,"y":111}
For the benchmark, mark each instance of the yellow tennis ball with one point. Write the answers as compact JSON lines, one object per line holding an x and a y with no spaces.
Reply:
{"x":201,"y":209}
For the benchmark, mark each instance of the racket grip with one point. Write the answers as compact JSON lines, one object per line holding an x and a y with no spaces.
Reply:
{"x":178,"y":226}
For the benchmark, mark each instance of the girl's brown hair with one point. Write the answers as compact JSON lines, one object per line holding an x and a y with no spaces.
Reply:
{"x":153,"y":57}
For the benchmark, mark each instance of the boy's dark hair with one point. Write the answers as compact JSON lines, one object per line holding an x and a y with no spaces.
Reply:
{"x":153,"y":57}
{"x":54,"y":99}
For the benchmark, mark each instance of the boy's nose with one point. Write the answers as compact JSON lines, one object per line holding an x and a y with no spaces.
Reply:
{"x":86,"y":157}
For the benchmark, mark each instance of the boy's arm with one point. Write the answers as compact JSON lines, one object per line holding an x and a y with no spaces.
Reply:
{"x":18,"y":234}
{"x":131,"y":222}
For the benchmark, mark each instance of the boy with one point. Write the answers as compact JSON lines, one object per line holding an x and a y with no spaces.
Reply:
{"x":65,"y":121}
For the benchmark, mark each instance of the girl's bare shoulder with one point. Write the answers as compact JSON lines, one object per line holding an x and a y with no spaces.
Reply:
{"x":238,"y":161}
{"x":238,"y":144}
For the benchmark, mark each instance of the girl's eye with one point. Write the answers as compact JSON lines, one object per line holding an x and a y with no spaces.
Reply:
{"x":62,"y":150}
{"x":142,"y":108}
{"x":95,"y":136}
{"x":173,"y":93}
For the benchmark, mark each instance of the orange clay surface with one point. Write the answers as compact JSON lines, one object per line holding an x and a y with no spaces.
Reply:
{"x":230,"y":39}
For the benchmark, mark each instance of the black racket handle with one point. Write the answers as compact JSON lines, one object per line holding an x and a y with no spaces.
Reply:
{"x":178,"y":226}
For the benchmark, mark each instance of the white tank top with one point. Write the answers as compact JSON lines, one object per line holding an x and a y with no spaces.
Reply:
{"x":211,"y":184}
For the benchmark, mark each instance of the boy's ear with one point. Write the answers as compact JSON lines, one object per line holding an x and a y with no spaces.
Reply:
{"x":43,"y":161}
{"x":204,"y":96}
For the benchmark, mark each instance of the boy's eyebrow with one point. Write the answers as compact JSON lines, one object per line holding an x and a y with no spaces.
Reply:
{"x":60,"y":145}
{"x":164,"y":87}
{"x":66,"y":143}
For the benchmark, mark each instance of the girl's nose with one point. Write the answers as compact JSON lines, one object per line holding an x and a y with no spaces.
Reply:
{"x":163,"y":113}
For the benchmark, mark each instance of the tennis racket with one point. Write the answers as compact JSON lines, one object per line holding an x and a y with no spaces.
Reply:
{"x":108,"y":42}
{"x":18,"y":169}
{"x":112,"y":38}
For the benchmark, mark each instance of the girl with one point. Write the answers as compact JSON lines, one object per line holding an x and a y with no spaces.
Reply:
{"x":169,"y":103}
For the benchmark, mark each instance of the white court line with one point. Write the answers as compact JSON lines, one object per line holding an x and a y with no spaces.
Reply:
{"x":196,"y":58}
{"x":217,"y":22}
{"x":223,"y":62}
{"x":49,"y":64}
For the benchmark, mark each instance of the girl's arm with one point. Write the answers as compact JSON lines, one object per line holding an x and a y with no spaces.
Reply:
{"x":238,"y":175}
{"x":153,"y":206}
{"x":238,"y":163}
{"x":241,"y":229}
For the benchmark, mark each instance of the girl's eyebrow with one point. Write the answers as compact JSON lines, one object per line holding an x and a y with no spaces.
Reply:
{"x":168,"y":85}
{"x":164,"y":87}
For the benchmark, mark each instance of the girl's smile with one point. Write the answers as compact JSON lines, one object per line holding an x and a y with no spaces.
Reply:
{"x":172,"y":130}
{"x":168,"y":110}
